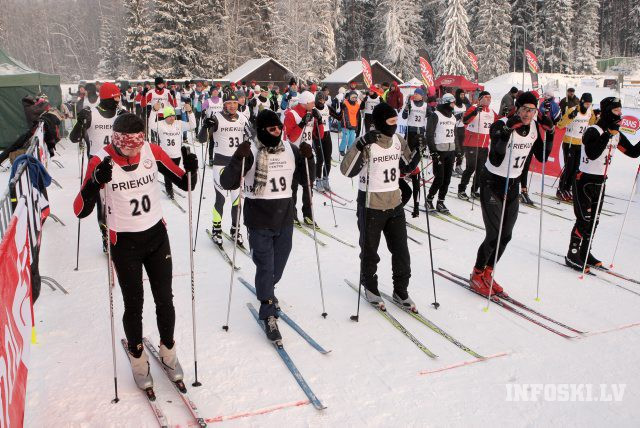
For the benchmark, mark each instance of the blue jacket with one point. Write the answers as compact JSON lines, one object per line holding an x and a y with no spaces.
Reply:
{"x":39,"y":176}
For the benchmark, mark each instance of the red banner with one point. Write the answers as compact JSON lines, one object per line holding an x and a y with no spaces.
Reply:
{"x":427,"y":73}
{"x":553,"y":168}
{"x":16,"y":317}
{"x":629,"y":124}
{"x":532,"y":61}
{"x":367,"y":75}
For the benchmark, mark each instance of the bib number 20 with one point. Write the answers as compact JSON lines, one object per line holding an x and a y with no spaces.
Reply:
{"x":144,"y":203}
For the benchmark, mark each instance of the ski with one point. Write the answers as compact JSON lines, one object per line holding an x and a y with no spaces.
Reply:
{"x":601,"y":269}
{"x":332,"y":193}
{"x":290,"y":365}
{"x":242,"y":248}
{"x":521,"y":305}
{"x":411,"y":238}
{"x":305,"y":231}
{"x":290,"y":322}
{"x":435,"y":214}
{"x":173,"y":200}
{"x":455,"y":194}
{"x":179,"y":386}
{"x":328,"y":196}
{"x":419,"y":229}
{"x":222,"y":252}
{"x":175,"y":191}
{"x":382,"y":310}
{"x":455,"y":217}
{"x":330,"y":235}
{"x":604,"y":211}
{"x":433,"y":327}
{"x":505,"y":305}
{"x":150,"y":395}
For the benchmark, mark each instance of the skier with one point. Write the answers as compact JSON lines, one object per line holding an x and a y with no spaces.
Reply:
{"x":461,"y":106}
{"x":170,"y":132}
{"x":575,"y":121}
{"x":137,"y":232}
{"x":441,"y":142}
{"x":598,"y":143}
{"x":242,"y":104}
{"x":211,"y":106}
{"x":478,"y":120}
{"x":415,"y":112}
{"x":322,"y":144}
{"x":370,"y":100}
{"x":506,"y":104}
{"x":154,"y":101}
{"x":228,"y":129}
{"x":302,"y":123}
{"x":379,"y":157}
{"x":91,"y":98}
{"x":569,"y":101}
{"x":197,"y":99}
{"x":350,"y":111}
{"x":271,"y":166}
{"x":94,"y":125}
{"x":259,"y":102}
{"x":511,"y":141}
{"x":292,"y":91}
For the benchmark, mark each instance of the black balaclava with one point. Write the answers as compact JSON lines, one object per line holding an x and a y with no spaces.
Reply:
{"x":265,"y":119}
{"x":585,"y":98}
{"x":607,"y":116}
{"x":458,"y":99}
{"x":109,"y":104}
{"x":381,"y":113}
{"x":92,"y":92}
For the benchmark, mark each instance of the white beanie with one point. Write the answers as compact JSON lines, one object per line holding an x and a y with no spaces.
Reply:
{"x":306,"y":97}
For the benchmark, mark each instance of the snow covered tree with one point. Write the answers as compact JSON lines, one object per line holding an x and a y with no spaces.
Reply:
{"x":492,"y":40}
{"x":524,"y":14}
{"x":206,"y":29}
{"x":322,"y":42}
{"x":108,"y":67}
{"x":452,"y":55}
{"x":430,"y":23}
{"x":261,"y":40}
{"x":585,"y":47}
{"x":400,"y":36}
{"x":559,"y":33}
{"x":172,"y":41}
{"x":137,"y":39}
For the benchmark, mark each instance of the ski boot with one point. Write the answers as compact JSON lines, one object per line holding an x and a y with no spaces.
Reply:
{"x":296,"y":222}
{"x":477,"y":282}
{"x":235,"y":230}
{"x":416,"y":210}
{"x":319,"y":185}
{"x":463,"y":195}
{"x":441,"y":207}
{"x":574,"y":259}
{"x":325,"y":184}
{"x":495,"y":288}
{"x":216,"y":233}
{"x":406,"y":303}
{"x":561,"y":195}
{"x":271,"y":329}
{"x":170,"y":362}
{"x":211,"y":163}
{"x":475,"y":194}
{"x":524,"y":198}
{"x":141,"y":370}
{"x":429,"y":205}
{"x":310,"y":223}
{"x":458,"y":171}
{"x":170,"y":194}
{"x":593,"y":262}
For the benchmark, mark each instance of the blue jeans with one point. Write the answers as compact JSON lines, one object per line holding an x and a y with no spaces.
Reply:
{"x":270,"y":250}
{"x":348,"y":137}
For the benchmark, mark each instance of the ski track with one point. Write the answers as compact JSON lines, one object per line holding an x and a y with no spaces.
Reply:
{"x":371,"y":377}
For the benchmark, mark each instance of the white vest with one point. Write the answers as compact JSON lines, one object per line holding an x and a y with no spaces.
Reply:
{"x":170,"y":137}
{"x":481,"y":123}
{"x":417,"y":115}
{"x":384,"y":168}
{"x":579,"y":124}
{"x":86,"y":103}
{"x":281,"y":167}
{"x":521,"y":148}
{"x":246,"y":112}
{"x":229,"y":134}
{"x":445,"y":134}
{"x":457,"y":110}
{"x":213,"y":108}
{"x":133,"y":197}
{"x":370,"y":104}
{"x":163,"y":99}
{"x":260,"y":106}
{"x":307,"y":133}
{"x":100,"y":131}
{"x":324,"y":114}
{"x":597,"y":166}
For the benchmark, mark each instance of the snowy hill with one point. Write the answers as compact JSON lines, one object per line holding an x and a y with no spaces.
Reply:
{"x":371,"y":377}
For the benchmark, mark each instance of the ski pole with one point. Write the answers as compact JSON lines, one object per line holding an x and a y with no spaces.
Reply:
{"x":504,"y":207}
{"x":435,"y":303}
{"x":597,"y":213}
{"x":235,"y":245}
{"x":544,"y":164}
{"x":204,"y":170}
{"x":363,"y":234}
{"x":315,"y":237}
{"x":326,"y":173}
{"x":111,"y":285}
{"x":475,"y":167}
{"x":81,"y":147}
{"x":624,"y":219}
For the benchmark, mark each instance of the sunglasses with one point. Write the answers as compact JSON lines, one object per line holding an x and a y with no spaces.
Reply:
{"x":528,"y":109}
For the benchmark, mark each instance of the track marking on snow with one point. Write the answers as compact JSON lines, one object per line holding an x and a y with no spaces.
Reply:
{"x":622,"y":327}
{"x":464,"y":363}
{"x":254,"y":412}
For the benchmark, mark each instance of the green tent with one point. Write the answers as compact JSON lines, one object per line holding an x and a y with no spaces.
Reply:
{"x":16,"y":81}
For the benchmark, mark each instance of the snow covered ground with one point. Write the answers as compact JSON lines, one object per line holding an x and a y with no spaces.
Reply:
{"x":371,"y":377}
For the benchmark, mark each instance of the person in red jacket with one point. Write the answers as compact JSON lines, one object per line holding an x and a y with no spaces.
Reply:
{"x":302,"y":124}
{"x":154,"y":101}
{"x":394,"y":97}
{"x":477,"y":119}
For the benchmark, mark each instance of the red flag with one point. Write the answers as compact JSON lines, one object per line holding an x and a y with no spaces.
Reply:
{"x":367,"y":75}
{"x":427,"y":73}
{"x":532,"y":60}
{"x":474,"y":60}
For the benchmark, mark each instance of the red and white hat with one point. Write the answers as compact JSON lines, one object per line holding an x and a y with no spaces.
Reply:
{"x":109,"y":90}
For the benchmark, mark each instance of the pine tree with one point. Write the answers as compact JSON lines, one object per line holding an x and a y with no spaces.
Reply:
{"x":452,"y":55}
{"x":174,"y":53}
{"x":524,"y":14}
{"x":430,"y":19}
{"x":205,"y":26}
{"x":108,"y":67}
{"x":400,"y":43}
{"x":585,"y":47}
{"x":322,"y":41}
{"x":492,"y":40}
{"x":634,"y":19}
{"x":262,"y":38}
{"x":558,"y":16}
{"x":137,"y":39}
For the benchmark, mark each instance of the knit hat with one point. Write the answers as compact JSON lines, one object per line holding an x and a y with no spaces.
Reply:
{"x":229,"y":97}
{"x":448,"y":99}
{"x":128,"y":131}
{"x":109,"y":90}
{"x":419,"y":91}
{"x":513,"y":90}
{"x":159,"y":80}
{"x":168,"y":111}
{"x":320,"y":96}
{"x":292,"y":81}
{"x":91,"y":88}
{"x":483,"y":94}
{"x":586,"y":98}
{"x":526,"y":98}
{"x":609,"y":103}
{"x":306,"y":97}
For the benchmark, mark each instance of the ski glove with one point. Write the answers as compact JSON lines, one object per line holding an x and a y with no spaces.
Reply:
{"x":435,"y":157}
{"x":244,"y":149}
{"x":189,"y":160}
{"x":305,"y":119}
{"x":316,"y":115}
{"x":368,"y":139}
{"x":103,"y":172}
{"x":459,"y":156}
{"x":514,"y":122}
{"x":306,"y":151}
{"x":574,"y":113}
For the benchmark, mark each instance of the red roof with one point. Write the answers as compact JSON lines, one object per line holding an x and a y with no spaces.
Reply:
{"x":456,"y":82}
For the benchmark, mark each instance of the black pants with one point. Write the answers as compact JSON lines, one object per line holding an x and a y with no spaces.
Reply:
{"x":571,"y":154}
{"x":270,"y":251}
{"x":476,"y":158}
{"x":393,"y":225}
{"x":198,"y":115}
{"x":168,"y":186}
{"x":459,"y":134}
{"x":102,"y":222}
{"x":323,"y":150}
{"x":442,"y":169}
{"x":306,"y":198}
{"x":131,"y":252}
{"x":368,"y":122}
{"x":140,"y":112}
{"x":491,"y":200}
{"x":524,"y":177}
{"x":211,"y":145}
{"x":586,"y":191}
